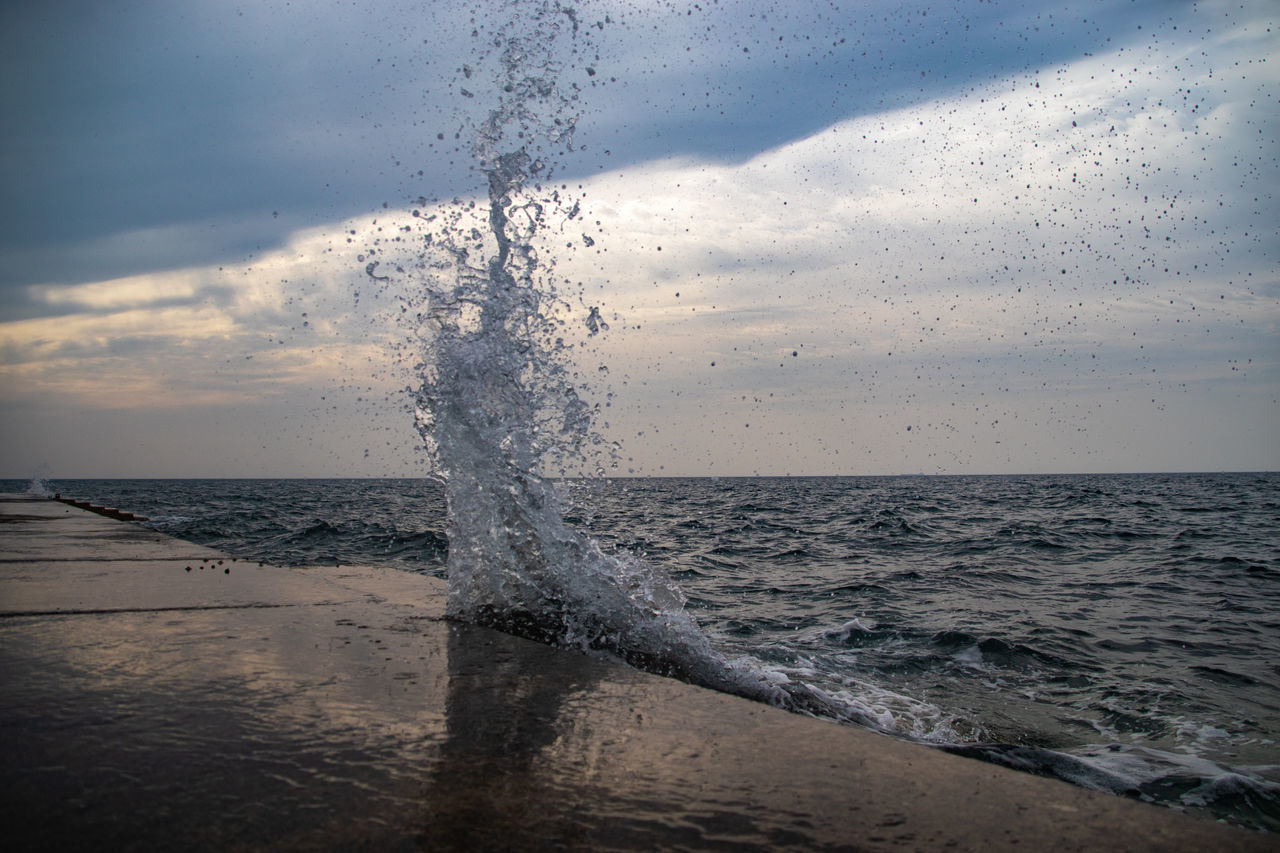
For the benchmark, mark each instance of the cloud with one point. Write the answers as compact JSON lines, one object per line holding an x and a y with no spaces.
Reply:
{"x":291,"y":318}
{"x":1054,"y":267}
{"x":228,"y":128}
{"x":179,"y":288}
{"x":291,"y":364}
{"x":159,"y":136}
{"x":1012,"y":267}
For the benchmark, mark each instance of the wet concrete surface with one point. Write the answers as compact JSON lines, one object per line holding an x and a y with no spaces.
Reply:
{"x":238,"y":706}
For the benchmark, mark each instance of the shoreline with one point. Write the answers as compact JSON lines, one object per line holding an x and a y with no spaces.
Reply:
{"x":159,"y":693}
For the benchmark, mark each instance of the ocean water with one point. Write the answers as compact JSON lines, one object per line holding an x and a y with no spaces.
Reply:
{"x":1118,"y":631}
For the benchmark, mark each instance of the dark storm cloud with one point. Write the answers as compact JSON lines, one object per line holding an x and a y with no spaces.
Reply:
{"x":125,"y":119}
{"x":741,"y":78}
{"x":146,"y":136}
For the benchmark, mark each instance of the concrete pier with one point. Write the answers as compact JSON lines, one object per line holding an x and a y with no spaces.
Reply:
{"x":155,"y":694}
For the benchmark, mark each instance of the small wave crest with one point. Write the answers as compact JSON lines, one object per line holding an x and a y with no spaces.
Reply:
{"x":1249,"y":796}
{"x":166,"y":522}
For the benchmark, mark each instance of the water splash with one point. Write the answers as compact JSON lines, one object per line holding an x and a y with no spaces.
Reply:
{"x":39,"y":487}
{"x":39,"y":483}
{"x":500,"y":404}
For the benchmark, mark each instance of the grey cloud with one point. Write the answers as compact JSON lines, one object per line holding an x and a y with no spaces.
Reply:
{"x":754,"y":76}
{"x":130,"y":117}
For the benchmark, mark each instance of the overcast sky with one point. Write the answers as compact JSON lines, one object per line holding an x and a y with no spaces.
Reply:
{"x":833,"y":238}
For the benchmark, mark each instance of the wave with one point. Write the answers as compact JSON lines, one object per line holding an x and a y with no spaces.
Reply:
{"x":1241,"y":794}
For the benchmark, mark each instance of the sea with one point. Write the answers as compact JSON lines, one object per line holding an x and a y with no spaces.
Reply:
{"x":1119,"y":631}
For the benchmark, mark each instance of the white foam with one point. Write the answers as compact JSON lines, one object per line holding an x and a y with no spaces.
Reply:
{"x":1139,"y":766}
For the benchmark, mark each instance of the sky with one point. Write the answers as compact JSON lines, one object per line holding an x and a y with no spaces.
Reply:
{"x":829,"y":238}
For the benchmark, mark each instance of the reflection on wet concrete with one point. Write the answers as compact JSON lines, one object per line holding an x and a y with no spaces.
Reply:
{"x":494,"y":784}
{"x":203,"y":730}
{"x":551,"y":750}
{"x":310,"y":729}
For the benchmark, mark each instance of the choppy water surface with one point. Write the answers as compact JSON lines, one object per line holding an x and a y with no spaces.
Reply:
{"x":1128,"y":621}
{"x":1119,"y":631}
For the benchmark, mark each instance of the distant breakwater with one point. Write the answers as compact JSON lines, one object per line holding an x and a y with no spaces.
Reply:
{"x":108,"y":511}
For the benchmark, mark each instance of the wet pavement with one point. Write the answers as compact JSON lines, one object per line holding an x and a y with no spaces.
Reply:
{"x":155,"y":694}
